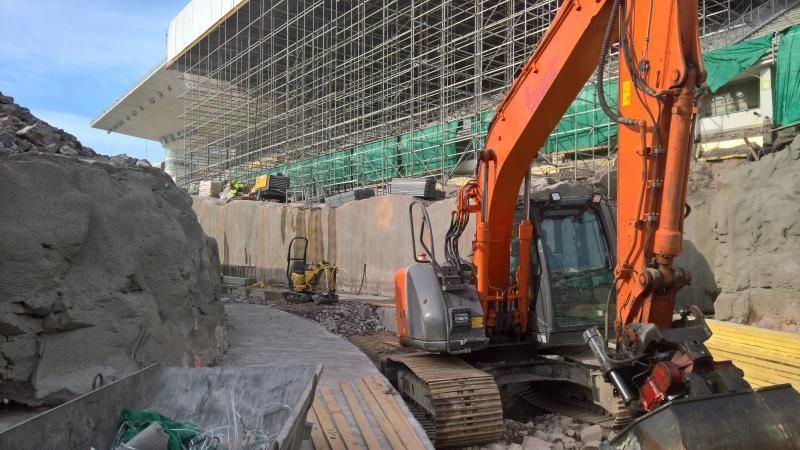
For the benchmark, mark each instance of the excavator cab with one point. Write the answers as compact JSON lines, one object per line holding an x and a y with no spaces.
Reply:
{"x":572,"y":259}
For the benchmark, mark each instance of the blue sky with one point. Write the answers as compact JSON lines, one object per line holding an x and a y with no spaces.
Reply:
{"x":68,"y":60}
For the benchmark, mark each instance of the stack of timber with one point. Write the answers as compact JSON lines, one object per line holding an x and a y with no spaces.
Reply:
{"x":334,"y":201}
{"x":767,"y":357}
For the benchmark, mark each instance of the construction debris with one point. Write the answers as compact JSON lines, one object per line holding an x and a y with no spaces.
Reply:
{"x":549,"y":432}
{"x":345,"y":318}
{"x":104,"y":270}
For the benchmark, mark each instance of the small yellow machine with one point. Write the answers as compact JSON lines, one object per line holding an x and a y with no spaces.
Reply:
{"x":271,"y":187}
{"x":309,"y":282}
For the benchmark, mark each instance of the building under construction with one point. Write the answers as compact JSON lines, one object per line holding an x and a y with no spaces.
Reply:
{"x":342,"y":94}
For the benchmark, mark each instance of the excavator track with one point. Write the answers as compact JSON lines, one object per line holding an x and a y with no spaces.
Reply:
{"x":462,"y":403}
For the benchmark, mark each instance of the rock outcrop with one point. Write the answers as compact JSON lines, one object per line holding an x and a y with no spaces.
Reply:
{"x":756,"y":223}
{"x":104,"y":269}
{"x":22,"y":132}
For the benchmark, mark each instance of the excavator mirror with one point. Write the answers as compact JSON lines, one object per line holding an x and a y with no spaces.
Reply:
{"x":596,"y":198}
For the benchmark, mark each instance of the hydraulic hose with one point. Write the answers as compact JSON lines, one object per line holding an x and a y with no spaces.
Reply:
{"x":601,"y":66}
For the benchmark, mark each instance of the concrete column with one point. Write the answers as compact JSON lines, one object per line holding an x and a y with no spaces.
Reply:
{"x":765,"y":92}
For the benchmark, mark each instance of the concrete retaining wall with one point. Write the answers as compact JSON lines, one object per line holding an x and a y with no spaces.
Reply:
{"x":371,"y":235}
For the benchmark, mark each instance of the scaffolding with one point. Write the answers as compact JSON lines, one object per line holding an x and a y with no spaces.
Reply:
{"x":339,"y":94}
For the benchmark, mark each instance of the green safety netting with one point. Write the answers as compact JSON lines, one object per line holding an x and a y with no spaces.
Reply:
{"x":787,"y":78}
{"x":375,"y":161}
{"x":725,"y":63}
{"x":429,"y":149}
{"x":585,"y":125}
{"x":179,"y":434}
{"x":479,"y":123}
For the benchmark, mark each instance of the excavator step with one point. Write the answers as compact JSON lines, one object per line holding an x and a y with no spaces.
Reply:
{"x":462,"y":403}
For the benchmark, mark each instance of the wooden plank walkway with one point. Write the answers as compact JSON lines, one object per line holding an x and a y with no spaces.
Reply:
{"x":354,"y":407}
{"x":767,"y":357}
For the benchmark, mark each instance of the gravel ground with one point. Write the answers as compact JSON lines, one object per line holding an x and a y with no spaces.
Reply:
{"x":345,"y":318}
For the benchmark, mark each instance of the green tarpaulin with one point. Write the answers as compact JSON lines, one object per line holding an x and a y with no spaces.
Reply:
{"x":585,"y":125}
{"x":787,"y":78}
{"x":725,"y":63}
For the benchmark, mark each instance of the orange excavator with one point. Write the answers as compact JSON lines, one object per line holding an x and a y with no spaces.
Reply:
{"x":513,"y":324}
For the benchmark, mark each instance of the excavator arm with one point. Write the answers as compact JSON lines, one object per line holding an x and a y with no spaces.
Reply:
{"x":660,"y":68}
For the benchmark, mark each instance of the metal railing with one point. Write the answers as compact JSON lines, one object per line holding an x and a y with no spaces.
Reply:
{"x":747,"y":24}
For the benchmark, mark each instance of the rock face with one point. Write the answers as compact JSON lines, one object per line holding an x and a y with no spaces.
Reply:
{"x":104,"y":269}
{"x":756,"y":214}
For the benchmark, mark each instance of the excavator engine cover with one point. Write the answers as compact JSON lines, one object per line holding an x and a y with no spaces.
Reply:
{"x":767,"y":418}
{"x":435,"y":320}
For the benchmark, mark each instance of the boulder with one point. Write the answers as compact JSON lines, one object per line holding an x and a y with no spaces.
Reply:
{"x":105,"y":270}
{"x":39,"y":133}
{"x":591,"y":433}
{"x":67,"y":150}
{"x":534,"y":443}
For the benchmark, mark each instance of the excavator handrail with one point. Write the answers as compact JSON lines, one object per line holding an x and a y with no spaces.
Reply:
{"x":426,"y":220}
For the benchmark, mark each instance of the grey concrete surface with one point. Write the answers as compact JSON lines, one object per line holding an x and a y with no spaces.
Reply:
{"x":261,"y":336}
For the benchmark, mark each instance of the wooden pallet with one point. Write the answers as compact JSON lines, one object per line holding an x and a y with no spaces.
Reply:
{"x":767,"y":357}
{"x":365,"y":398}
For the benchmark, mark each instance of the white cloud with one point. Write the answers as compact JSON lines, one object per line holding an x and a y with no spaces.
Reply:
{"x":100,"y":141}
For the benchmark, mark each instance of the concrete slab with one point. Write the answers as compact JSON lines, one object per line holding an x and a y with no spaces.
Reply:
{"x":261,"y":336}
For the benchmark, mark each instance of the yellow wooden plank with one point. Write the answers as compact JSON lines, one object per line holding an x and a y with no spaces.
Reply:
{"x":317,"y":436}
{"x":380,"y":417}
{"x":359,"y":416}
{"x":762,"y":342}
{"x":330,"y":432}
{"x":754,"y":350}
{"x":345,"y":431}
{"x":782,"y":369}
{"x":392,"y":411}
{"x":747,"y":332}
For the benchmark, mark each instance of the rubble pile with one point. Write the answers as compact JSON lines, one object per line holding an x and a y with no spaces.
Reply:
{"x":22,"y":132}
{"x":550,"y":432}
{"x":104,"y":270}
{"x":345,"y":318}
